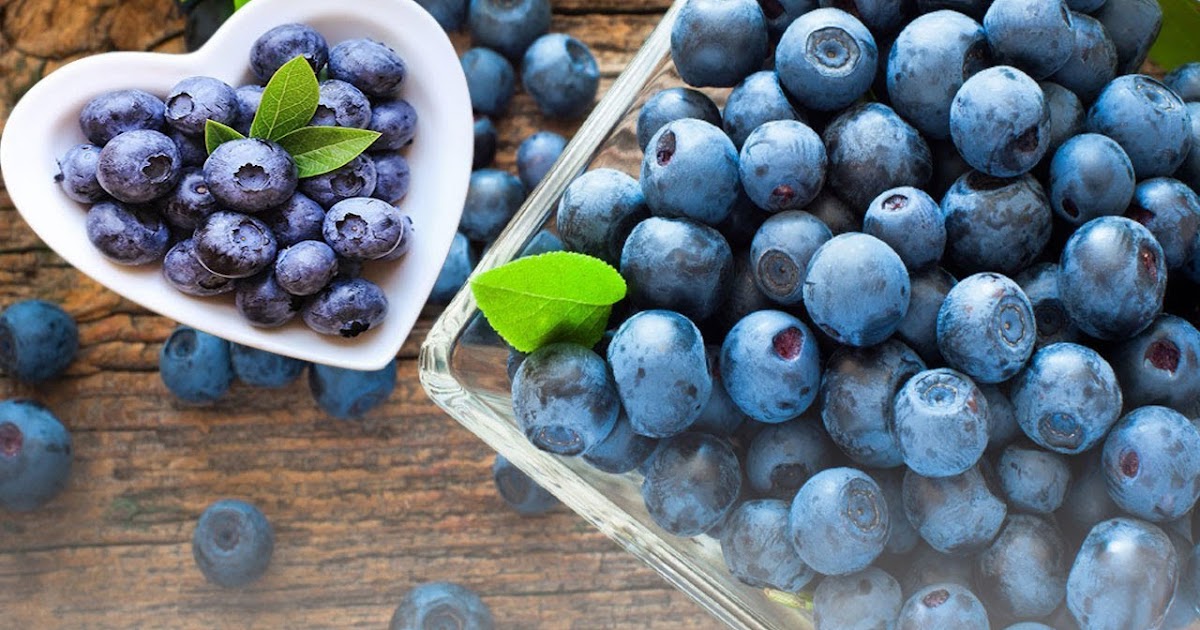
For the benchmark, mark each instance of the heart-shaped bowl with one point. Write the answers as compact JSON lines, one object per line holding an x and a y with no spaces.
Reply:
{"x":45,"y":124}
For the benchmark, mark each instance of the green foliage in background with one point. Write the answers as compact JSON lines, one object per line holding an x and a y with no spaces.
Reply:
{"x":1179,"y":42}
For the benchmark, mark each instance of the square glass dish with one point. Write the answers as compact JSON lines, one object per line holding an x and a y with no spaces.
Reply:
{"x":463,"y":368}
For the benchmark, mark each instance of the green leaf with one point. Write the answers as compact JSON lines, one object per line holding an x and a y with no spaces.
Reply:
{"x":1178,"y":43}
{"x":237,"y":4}
{"x":318,"y":150}
{"x":288,"y":102}
{"x":216,"y":134}
{"x":543,"y":299}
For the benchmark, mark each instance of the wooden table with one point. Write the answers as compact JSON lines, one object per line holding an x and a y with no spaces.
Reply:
{"x":362,"y":510}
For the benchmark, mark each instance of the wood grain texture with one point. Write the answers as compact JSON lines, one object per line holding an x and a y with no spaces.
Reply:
{"x":362,"y":510}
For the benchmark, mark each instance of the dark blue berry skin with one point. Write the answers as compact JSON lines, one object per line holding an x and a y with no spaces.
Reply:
{"x":883,"y":17}
{"x":1087,"y":502}
{"x":485,"y":142}
{"x":677,"y":265}
{"x":249,"y":97}
{"x":251,"y":175}
{"x":441,"y":604}
{"x":754,"y":542}
{"x":1112,"y":278}
{"x":196,"y":100}
{"x":368,"y":65}
{"x":450,"y":14}
{"x":742,"y":298}
{"x":1090,"y":176}
{"x":297,"y":219}
{"x":282,"y":44}
{"x":781,"y":13}
{"x":781,"y":251}
{"x":138,"y":166}
{"x":839,"y":521}
{"x":341,"y":105}
{"x":1040,"y":284}
{"x":493,"y":198}
{"x":691,"y":170}
{"x":521,"y":493}
{"x":1085,"y":6}
{"x":940,"y":419}
{"x":911,"y":223}
{"x":770,"y":366}
{"x":77,"y":174}
{"x":38,"y":340}
{"x":598,"y":211}
{"x":659,"y":365}
{"x":1171,"y":211}
{"x":536,"y":155}
{"x":1123,"y":577}
{"x":1023,"y":574}
{"x":1003,"y":427}
{"x":720,"y":416}
{"x":1032,"y":35}
{"x":927,"y":65}
{"x":564,"y":399}
{"x":35,"y":455}
{"x":867,"y":600}
{"x":187,"y":206}
{"x":363,"y":227}
{"x":691,"y":483}
{"x":955,"y":515}
{"x":1094,"y":62}
{"x":717,"y":44}
{"x":826,"y":60}
{"x":948,"y":166}
{"x":186,"y":274}
{"x":674,"y":104}
{"x":1189,"y":171}
{"x":918,"y":329}
{"x":943,"y":607}
{"x":306,"y":267}
{"x":195,"y":366}
{"x":927,"y":566}
{"x":1029,"y":625}
{"x":1033,"y":480}
{"x":113,"y":113}
{"x":491,"y":80}
{"x":1185,"y":81}
{"x":356,"y":179}
{"x":1067,"y":115}
{"x":782,"y":165}
{"x":508,"y":27}
{"x":396,"y":122}
{"x":1152,"y":464}
{"x":192,"y":151}
{"x":871,"y":149}
{"x":392,"y":177}
{"x":757,"y":100}
{"x":234,"y":245}
{"x":784,"y":456}
{"x":264,"y":303}
{"x":1133,"y":26}
{"x":902,"y":537}
{"x":1000,"y":123}
{"x":350,"y":394}
{"x":347,"y":308}
{"x":986,"y":328}
{"x":259,"y":368}
{"x":1148,"y":120}
{"x":856,"y":400}
{"x":857,"y":289}
{"x":1160,"y":366}
{"x":622,"y":450}
{"x":459,"y":263}
{"x":232,"y":543}
{"x":127,"y":235}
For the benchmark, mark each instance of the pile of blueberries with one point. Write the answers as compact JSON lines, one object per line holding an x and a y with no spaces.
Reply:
{"x":961,"y":414}
{"x":239,"y":220}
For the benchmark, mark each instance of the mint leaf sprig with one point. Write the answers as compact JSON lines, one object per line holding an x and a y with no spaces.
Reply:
{"x":288,"y":104}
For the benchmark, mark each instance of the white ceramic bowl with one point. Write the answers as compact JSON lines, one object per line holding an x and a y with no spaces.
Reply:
{"x":44,"y":124}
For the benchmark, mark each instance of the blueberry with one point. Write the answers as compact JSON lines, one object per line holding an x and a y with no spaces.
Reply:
{"x":138,"y":166}
{"x":521,"y":493}
{"x":363,"y":227}
{"x":347,"y":308}
{"x":1094,"y":62}
{"x":598,"y":211}
{"x":392,"y":177}
{"x":282,"y":44}
{"x":932,"y":57}
{"x":1112,"y":278}
{"x":77,"y":174}
{"x":943,"y":607}
{"x":1023,"y":574}
{"x":232,"y":543}
{"x":1189,"y":171}
{"x":297,"y":219}
{"x":742,"y":298}
{"x":902,"y":536}
{"x":781,"y":252}
{"x":691,"y":482}
{"x":757,"y":100}
{"x":770,"y":366}
{"x":1000,"y":122}
{"x":856,"y":400}
{"x":441,"y":605}
{"x":940,"y":418}
{"x":783,"y":457}
{"x":1152,"y":464}
{"x":186,"y":274}
{"x":192,"y":151}
{"x":1029,"y":625}
{"x":996,"y":224}
{"x":660,"y":369}
{"x":1002,"y":417}
{"x":368,"y":65}
{"x":871,"y":149}
{"x":715,"y":43}
{"x":113,"y":113}
{"x":622,"y":450}
{"x":459,"y":263}
{"x":1160,"y":366}
{"x":918,"y":329}
{"x":196,"y":100}
{"x":190,"y":202}
{"x":674,"y":104}
{"x":1185,"y":81}
{"x":1148,"y":120}
{"x":1087,"y":501}
{"x":127,"y":235}
{"x":856,"y":289}
{"x":508,"y":26}
{"x":396,"y":122}
{"x":754,"y":542}
{"x":911,"y":223}
{"x":38,"y":340}
{"x":485,"y":142}
{"x":839,"y":521}
{"x":1171,"y":211}
{"x":491,"y":80}
{"x":826,"y":60}
{"x":691,"y":170}
{"x":565,"y":399}
{"x":306,"y":267}
{"x":259,"y":368}
{"x":342,"y":105}
{"x":264,"y":303}
{"x":1085,"y":6}
{"x":234,"y":245}
{"x":35,"y":455}
{"x":349,"y":394}
{"x":678,"y":265}
{"x":955,"y":515}
{"x":781,"y":13}
{"x":536,"y":155}
{"x":1033,"y":35}
{"x":986,"y":328}
{"x":356,"y":179}
{"x":195,"y":366}
{"x":1067,"y":115}
{"x":883,"y":17}
{"x":782,"y":165}
{"x":1090,"y":176}
{"x":948,"y":166}
{"x":1133,"y":26}
{"x":866,"y":600}
{"x":1033,"y":480}
{"x":927,"y":566}
{"x":250,"y":175}
{"x":450,"y":14}
{"x":492,"y":199}
{"x":1123,"y":577}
